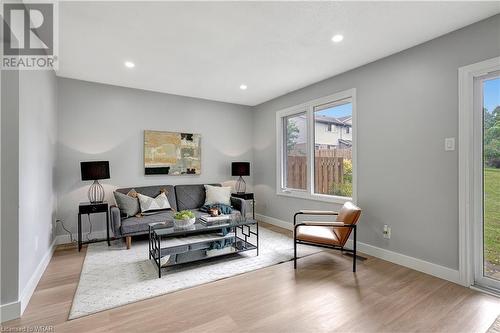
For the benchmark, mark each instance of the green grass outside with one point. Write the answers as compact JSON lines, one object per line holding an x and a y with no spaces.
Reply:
{"x":492,"y":215}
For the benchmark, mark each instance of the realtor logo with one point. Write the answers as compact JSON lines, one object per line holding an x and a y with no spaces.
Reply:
{"x":28,"y":36}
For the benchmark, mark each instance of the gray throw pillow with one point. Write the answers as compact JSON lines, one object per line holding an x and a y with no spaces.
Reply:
{"x":129,"y":206}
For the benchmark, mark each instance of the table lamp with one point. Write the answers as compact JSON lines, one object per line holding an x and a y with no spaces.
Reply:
{"x":240,"y":169}
{"x":95,"y":170}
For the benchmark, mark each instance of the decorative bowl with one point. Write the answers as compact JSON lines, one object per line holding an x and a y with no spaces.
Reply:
{"x":184,"y":223}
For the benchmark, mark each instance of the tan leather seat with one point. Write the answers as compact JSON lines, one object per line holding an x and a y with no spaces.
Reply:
{"x":315,"y":234}
{"x":327,"y":235}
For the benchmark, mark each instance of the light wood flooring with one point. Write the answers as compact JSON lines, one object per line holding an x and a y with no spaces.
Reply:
{"x":323,"y":295}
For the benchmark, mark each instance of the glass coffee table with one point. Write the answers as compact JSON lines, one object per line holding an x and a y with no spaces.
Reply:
{"x":170,"y":245}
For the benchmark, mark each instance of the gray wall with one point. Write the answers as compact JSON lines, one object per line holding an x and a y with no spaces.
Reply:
{"x":9,"y":244}
{"x":106,"y":122}
{"x":37,"y":156}
{"x":407,"y":104}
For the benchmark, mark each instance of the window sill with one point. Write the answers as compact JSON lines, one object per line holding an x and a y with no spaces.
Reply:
{"x":315,"y":197}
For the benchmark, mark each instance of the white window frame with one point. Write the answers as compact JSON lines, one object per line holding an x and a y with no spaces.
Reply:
{"x":308,"y":108}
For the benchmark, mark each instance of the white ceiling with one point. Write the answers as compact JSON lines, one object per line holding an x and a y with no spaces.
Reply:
{"x":207,"y":49}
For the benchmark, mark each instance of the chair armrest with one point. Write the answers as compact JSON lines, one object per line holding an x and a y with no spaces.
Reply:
{"x":116,"y":220}
{"x":240,"y":205}
{"x":312,"y":212}
{"x":326,"y":224}
{"x":317,"y":212}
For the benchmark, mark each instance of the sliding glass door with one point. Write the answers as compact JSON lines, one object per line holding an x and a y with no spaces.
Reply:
{"x":487,"y":152}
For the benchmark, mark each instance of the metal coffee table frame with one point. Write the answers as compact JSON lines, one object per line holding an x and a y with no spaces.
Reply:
{"x":159,"y":233}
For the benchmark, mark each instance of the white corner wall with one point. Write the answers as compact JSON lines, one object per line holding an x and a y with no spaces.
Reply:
{"x":37,"y":156}
{"x":29,"y":132}
{"x":9,"y":228}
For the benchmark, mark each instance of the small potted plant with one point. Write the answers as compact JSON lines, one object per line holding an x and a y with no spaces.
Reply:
{"x":184,"y":218}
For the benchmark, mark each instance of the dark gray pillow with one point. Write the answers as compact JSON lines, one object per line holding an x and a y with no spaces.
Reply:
{"x":129,"y":206}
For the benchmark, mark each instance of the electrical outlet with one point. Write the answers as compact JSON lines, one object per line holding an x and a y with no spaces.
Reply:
{"x":387,"y":232}
{"x":449,"y":144}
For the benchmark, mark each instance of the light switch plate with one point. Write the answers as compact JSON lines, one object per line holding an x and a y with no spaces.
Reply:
{"x":449,"y":144}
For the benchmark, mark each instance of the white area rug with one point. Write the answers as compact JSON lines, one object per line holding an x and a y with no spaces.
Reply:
{"x":113,"y":276}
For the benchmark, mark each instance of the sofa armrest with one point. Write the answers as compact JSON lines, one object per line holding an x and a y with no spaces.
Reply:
{"x":240,"y":205}
{"x":116,"y":220}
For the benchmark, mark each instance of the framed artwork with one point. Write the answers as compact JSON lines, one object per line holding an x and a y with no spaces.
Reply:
{"x":172,"y":153}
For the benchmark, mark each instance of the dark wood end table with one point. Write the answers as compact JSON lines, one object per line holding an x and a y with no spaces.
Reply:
{"x":87,"y":208}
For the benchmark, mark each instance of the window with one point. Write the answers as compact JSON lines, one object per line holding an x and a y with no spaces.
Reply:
{"x":314,"y":163}
{"x":333,"y":167}
{"x":295,"y":152}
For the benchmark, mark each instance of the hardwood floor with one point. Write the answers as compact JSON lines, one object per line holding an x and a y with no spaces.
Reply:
{"x":322,"y":295}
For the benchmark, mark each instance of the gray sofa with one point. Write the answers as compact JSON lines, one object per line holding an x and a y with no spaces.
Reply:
{"x":181,"y":197}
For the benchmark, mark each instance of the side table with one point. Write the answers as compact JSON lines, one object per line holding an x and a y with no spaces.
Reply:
{"x":88,"y":208}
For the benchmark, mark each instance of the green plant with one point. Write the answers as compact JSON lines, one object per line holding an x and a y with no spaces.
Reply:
{"x":347,"y":170}
{"x":184,"y":215}
{"x":492,"y":137}
{"x":344,"y":189}
{"x":292,"y":134}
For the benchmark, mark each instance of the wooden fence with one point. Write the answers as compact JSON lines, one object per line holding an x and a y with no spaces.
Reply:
{"x":296,"y":174}
{"x":345,"y":153}
{"x":328,"y":169}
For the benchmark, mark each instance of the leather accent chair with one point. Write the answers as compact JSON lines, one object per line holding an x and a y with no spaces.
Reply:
{"x":332,"y":235}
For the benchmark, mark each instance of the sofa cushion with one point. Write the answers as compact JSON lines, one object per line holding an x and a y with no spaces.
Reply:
{"x":149,"y":204}
{"x":129,"y":206}
{"x":217,"y":195}
{"x":190,"y":196}
{"x":154,"y":191}
{"x":133,"y":225}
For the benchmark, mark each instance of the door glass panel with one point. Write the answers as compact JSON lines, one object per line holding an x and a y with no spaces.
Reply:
{"x":491,"y":177}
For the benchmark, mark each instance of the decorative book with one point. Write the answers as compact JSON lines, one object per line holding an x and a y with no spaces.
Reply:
{"x":212,"y":219}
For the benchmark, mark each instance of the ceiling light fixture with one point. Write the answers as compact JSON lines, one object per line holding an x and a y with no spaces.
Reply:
{"x":243,"y":87}
{"x":129,"y":64}
{"x":337,"y":38}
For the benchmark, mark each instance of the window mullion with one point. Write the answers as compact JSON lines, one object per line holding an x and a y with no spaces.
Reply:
{"x":310,"y":151}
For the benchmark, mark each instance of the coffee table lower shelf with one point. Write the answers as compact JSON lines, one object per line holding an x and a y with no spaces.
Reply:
{"x":192,"y":247}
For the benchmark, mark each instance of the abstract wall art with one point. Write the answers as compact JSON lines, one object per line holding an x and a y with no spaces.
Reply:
{"x":172,"y":153}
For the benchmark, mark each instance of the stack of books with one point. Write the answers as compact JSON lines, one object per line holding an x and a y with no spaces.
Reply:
{"x":207,"y":219}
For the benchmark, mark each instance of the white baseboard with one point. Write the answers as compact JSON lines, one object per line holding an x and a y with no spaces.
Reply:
{"x":397,"y":258}
{"x":273,"y":221}
{"x":15,"y":310}
{"x":35,"y":278}
{"x":10,"y":311}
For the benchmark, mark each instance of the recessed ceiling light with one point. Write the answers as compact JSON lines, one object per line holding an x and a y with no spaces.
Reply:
{"x":337,"y":38}
{"x":129,"y":64}
{"x":243,"y":87}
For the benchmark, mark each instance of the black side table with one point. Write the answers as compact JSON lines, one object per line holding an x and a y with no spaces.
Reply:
{"x":246,"y":196}
{"x":88,"y":208}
